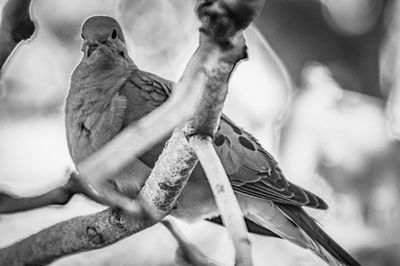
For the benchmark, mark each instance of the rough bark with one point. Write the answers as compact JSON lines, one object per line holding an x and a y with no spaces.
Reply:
{"x":199,"y":95}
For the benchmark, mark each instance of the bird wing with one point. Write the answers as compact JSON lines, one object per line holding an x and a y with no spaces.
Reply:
{"x":254,"y":172}
{"x":105,"y":125}
{"x":152,"y":87}
{"x":251,"y":169}
{"x":145,"y":92}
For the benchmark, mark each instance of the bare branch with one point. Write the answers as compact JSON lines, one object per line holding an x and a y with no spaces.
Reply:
{"x":225,"y":197}
{"x":171,"y":173}
{"x":95,"y":231}
{"x":189,"y":252}
{"x":12,"y":204}
{"x":200,"y":130}
{"x":201,"y":89}
{"x":222,"y":21}
{"x":16,"y":26}
{"x":89,"y":232}
{"x":393,"y":106}
{"x":62,"y":194}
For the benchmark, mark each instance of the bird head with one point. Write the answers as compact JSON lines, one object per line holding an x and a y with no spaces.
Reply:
{"x":103,"y":32}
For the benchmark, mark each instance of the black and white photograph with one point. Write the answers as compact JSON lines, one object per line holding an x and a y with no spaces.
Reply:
{"x":199,"y":132}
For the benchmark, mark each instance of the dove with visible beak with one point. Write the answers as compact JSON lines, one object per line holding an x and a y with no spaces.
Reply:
{"x":109,"y":92}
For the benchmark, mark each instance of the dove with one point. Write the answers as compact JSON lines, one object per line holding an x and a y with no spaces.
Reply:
{"x":108,"y":92}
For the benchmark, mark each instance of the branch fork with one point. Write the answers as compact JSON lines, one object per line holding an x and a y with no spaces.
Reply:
{"x":194,"y":109}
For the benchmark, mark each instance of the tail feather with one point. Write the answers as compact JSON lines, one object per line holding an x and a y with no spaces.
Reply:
{"x":252,"y":227}
{"x":321,"y":244}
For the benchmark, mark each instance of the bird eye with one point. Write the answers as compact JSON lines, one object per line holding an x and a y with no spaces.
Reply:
{"x":114,"y":34}
{"x":82,"y":36}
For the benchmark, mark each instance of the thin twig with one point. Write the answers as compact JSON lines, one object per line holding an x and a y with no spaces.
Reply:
{"x":12,"y":204}
{"x":225,"y":197}
{"x":61,"y":195}
{"x":393,"y":106}
{"x":104,"y":228}
{"x":188,"y":251}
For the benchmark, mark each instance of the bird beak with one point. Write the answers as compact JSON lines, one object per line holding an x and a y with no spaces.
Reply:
{"x":88,"y":47}
{"x":84,"y":46}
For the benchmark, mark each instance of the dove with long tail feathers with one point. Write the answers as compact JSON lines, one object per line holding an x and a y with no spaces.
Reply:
{"x":108,"y":92}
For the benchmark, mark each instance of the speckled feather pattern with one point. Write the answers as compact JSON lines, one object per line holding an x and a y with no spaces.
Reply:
{"x":251,"y":169}
{"x":108,"y":93}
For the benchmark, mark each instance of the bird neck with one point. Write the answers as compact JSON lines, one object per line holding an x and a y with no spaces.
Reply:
{"x":96,"y":81}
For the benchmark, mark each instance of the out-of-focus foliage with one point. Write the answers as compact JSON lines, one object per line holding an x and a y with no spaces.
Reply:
{"x":304,"y":31}
{"x":335,"y":141}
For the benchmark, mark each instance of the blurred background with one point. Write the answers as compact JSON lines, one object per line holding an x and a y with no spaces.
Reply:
{"x":321,"y":91}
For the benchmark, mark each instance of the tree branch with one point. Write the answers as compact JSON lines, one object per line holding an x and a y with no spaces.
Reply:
{"x":170,"y":174}
{"x":62,"y":194}
{"x":201,"y":91}
{"x":75,"y":235}
{"x":393,"y":106}
{"x":16,"y":26}
{"x":189,"y":252}
{"x":200,"y":131}
{"x":101,"y":229}
{"x":222,"y":22}
{"x":225,"y":197}
{"x":12,"y":204}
